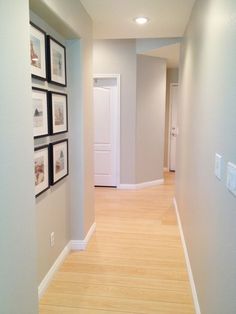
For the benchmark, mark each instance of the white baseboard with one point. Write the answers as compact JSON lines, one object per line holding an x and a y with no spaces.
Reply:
{"x":80,"y":245}
{"x":72,"y":245}
{"x":140,"y":185}
{"x":190,"y":273}
{"x":47,"y":279}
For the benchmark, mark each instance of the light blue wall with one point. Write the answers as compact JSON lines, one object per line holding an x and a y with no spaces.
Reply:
{"x":20,"y":219}
{"x":18,"y":264}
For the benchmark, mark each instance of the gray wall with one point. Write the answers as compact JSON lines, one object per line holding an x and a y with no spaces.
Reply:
{"x":68,"y":208}
{"x":171,"y":77}
{"x":18,"y":268}
{"x":150,"y":118}
{"x":141,"y":147}
{"x":119,"y":57}
{"x":81,"y":137}
{"x":53,"y":206}
{"x":208,"y":125}
{"x":144,"y":45}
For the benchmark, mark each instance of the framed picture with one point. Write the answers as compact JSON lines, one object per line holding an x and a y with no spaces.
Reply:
{"x":59,"y":161}
{"x":41,"y":169}
{"x":58,"y":112}
{"x":38,"y":52}
{"x":56,"y":62}
{"x":40,"y":112}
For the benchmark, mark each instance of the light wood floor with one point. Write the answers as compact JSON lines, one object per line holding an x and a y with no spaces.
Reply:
{"x":134,"y":262}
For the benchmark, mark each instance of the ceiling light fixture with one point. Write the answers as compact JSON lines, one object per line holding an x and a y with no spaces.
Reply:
{"x":141,"y":20}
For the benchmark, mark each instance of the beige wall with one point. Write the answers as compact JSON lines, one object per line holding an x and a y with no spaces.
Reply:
{"x":207,"y":125}
{"x":119,"y":57}
{"x":150,"y":118}
{"x":18,"y":270}
{"x":172,"y":76}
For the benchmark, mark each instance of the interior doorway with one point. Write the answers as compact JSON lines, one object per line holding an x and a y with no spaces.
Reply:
{"x":173,"y":123}
{"x":106,"y":90}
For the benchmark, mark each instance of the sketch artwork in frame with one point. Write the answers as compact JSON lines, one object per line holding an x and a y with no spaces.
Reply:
{"x":56,"y":62}
{"x":38,"y":52}
{"x":40,"y":112}
{"x":59,"y":113}
{"x":59,"y":160}
{"x":41,"y":169}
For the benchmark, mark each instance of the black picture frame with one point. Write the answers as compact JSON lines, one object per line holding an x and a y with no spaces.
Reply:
{"x":41,"y":169}
{"x":56,"y":62}
{"x":59,"y":158}
{"x":41,"y":112}
{"x":58,"y":113}
{"x":38,"y":52}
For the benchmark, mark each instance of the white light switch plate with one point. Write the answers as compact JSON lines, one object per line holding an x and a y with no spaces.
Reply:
{"x":218,"y":166}
{"x":231,"y":178}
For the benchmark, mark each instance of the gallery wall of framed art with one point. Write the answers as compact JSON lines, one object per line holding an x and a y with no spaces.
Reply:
{"x":49,"y":109}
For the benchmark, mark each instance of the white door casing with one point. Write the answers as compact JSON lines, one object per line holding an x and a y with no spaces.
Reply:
{"x":173,"y":125}
{"x":106,"y":135}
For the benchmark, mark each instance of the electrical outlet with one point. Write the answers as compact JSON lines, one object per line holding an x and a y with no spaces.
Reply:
{"x":52,"y":239}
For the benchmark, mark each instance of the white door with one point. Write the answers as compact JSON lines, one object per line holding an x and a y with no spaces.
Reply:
{"x":173,"y":124}
{"x":105,"y":136}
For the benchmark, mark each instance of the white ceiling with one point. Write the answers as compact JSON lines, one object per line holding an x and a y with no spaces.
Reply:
{"x":114,"y":18}
{"x":170,"y":53}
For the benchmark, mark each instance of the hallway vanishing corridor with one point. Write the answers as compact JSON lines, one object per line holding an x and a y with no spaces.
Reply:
{"x":134,"y":263}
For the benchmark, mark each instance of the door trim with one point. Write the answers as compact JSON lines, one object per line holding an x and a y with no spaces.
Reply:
{"x":169,"y":121}
{"x":117,"y":77}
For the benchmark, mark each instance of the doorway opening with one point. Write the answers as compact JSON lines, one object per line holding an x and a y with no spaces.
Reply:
{"x":173,"y":125}
{"x":106,"y":89}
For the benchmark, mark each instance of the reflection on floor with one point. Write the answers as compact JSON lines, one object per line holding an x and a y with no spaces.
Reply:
{"x":134,"y":262}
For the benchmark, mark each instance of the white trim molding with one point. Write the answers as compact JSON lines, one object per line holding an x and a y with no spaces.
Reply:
{"x":47,"y":279}
{"x":189,"y":269}
{"x":80,"y":245}
{"x":142,"y":185}
{"x":72,"y":245}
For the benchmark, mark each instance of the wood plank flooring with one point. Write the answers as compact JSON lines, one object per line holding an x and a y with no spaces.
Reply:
{"x":134,"y":263}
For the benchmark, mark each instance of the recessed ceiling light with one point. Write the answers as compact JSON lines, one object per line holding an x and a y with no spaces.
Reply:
{"x":141,"y":20}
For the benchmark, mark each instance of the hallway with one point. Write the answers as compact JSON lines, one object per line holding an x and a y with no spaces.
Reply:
{"x":134,"y":263}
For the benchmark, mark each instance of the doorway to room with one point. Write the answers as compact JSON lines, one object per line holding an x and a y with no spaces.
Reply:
{"x":106,"y":91}
{"x":173,"y":125}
